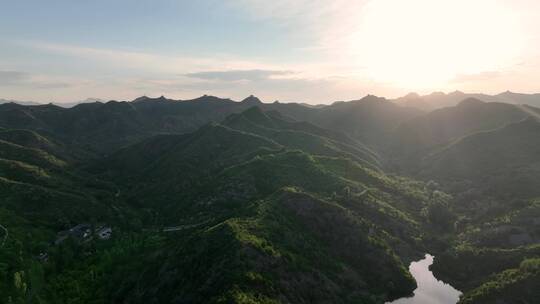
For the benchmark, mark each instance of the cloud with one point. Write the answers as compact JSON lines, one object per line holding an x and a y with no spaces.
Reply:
{"x":215,"y":67}
{"x":237,"y":75}
{"x":123,"y":74}
{"x":12,"y":77}
{"x":52,"y":84}
{"x":147,"y":62}
{"x":147,"y":71}
{"x":388,"y":41}
{"x":18,"y":78}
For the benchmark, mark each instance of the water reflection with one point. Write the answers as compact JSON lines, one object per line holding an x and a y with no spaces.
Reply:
{"x":430,"y":290}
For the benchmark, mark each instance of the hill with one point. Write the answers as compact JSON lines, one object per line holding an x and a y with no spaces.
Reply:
{"x":418,"y":137}
{"x":254,"y":211}
{"x":217,"y":201}
{"x":41,"y":194}
{"x":504,"y":160}
{"x":173,"y":160}
{"x":439,"y":100}
{"x":369,"y":120}
{"x":105,"y":127}
{"x":101,"y":128}
{"x":33,"y":169}
{"x":25,"y":103}
{"x":281,"y":214}
{"x":301,"y":135}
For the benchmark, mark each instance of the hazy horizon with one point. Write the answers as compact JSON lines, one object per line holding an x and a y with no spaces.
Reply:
{"x":328,"y":102}
{"x":306,"y":51}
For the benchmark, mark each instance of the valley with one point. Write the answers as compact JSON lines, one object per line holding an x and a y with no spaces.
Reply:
{"x":212,"y":200}
{"x":429,"y":290}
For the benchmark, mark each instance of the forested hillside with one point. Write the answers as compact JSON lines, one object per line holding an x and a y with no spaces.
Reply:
{"x":216,"y":201}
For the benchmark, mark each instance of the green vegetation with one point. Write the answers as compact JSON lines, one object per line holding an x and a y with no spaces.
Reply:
{"x":215,"y":201}
{"x":440,"y":127}
{"x":512,"y":285}
{"x":503,"y":162}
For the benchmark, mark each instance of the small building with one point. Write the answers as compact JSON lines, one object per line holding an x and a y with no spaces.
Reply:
{"x":81,"y":231}
{"x":84,"y":233}
{"x":105,"y":233}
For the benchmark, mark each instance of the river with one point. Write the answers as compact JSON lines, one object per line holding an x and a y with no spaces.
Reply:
{"x":430,"y":290}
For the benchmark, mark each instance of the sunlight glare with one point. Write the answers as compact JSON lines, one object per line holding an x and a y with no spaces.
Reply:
{"x":428,"y":43}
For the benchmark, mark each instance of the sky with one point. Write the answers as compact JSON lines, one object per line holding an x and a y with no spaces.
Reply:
{"x":313,"y":51}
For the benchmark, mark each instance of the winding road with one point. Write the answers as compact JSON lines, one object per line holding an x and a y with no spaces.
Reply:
{"x":182,"y":227}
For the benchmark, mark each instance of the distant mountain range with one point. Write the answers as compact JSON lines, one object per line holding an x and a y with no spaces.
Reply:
{"x":438,"y":100}
{"x":72,"y":104}
{"x":505,"y":159}
{"x":212,"y":200}
{"x":61,"y":104}
{"x":25,"y":103}
{"x":441,"y":126}
{"x":428,"y":102}
{"x":113,"y":124}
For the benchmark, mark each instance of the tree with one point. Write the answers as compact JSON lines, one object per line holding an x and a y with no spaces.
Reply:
{"x":438,"y":211}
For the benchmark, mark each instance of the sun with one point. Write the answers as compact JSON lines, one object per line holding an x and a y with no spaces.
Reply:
{"x":420,"y":44}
